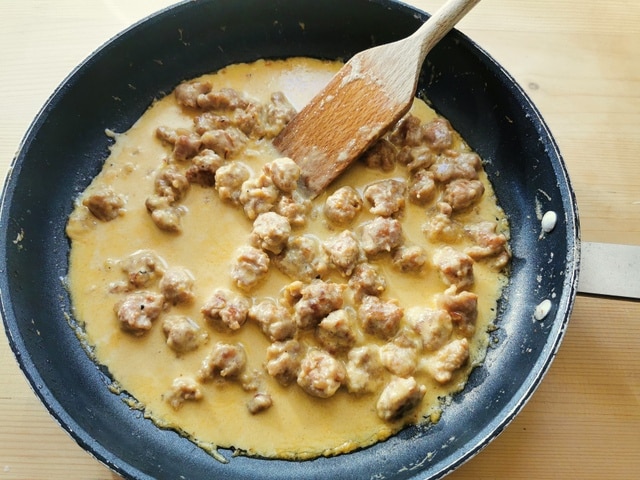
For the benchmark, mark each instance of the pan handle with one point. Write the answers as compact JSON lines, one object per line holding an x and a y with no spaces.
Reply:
{"x":610,"y":269}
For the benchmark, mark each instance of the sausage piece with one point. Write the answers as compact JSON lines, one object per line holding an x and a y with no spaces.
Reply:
{"x":399,"y":397}
{"x":320,"y":373}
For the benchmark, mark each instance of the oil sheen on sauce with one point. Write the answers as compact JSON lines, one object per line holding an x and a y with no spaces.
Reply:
{"x":297,"y":426}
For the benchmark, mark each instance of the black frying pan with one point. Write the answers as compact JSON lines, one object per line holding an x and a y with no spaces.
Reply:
{"x":65,"y":148}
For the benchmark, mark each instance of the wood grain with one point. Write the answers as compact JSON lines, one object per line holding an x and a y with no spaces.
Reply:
{"x":579,"y":62}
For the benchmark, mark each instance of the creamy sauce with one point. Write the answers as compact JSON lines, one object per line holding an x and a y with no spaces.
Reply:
{"x":297,"y":426}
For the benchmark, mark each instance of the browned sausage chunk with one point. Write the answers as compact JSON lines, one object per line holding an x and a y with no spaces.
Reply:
{"x":142,"y":268}
{"x":386,"y":197}
{"x":381,"y":235}
{"x":462,"y":193}
{"x":366,"y":281}
{"x":463,"y":308}
{"x":303,"y":259}
{"x":410,"y":258}
{"x":365,"y":372}
{"x":183,"y":334}
{"x":283,"y":361}
{"x":433,"y":325}
{"x":270,"y":232}
{"x":344,"y":251}
{"x":229,"y":180}
{"x":225,"y":308}
{"x":138,"y":310}
{"x":177,"y":285}
{"x":183,"y":389}
{"x":455,"y":268}
{"x":284,"y":173}
{"x":275,"y":321}
{"x":464,"y":165}
{"x":449,"y":359}
{"x":380,"y":317}
{"x":225,"y":360}
{"x":382,"y":156}
{"x":187,"y":93}
{"x":399,"y":397}
{"x":343,"y":205}
{"x":204,"y":167}
{"x":259,"y":403}
{"x":250,"y":267}
{"x":105,"y":204}
{"x":320,"y":374}
{"x":438,"y":135}
{"x":318,"y":300}
{"x":336,"y":331}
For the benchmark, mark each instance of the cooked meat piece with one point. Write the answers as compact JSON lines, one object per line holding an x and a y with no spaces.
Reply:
{"x":433,"y":325}
{"x":416,"y":158}
{"x":381,"y":235}
{"x":105,"y":204}
{"x":225,"y":360}
{"x":382,"y":156}
{"x":407,"y":132}
{"x":283,"y":361}
{"x":488,"y":243}
{"x":177,"y":285}
{"x":138,"y":310}
{"x":399,"y":397}
{"x":258,"y":195}
{"x":204,"y":167}
{"x":223,"y":99}
{"x":318,"y":300}
{"x":438,"y":135}
{"x":291,"y":293}
{"x":344,"y":251}
{"x":463,"y":308}
{"x":343,"y":205}
{"x":366,"y":281}
{"x":186,"y":146}
{"x":302,"y":259}
{"x":171,"y":184}
{"x":449,"y":359}
{"x":250,"y":120}
{"x":227,"y":143}
{"x":229,"y":180}
{"x":142,"y":268}
{"x":422,"y":187}
{"x":259,"y":403}
{"x":279,"y":113}
{"x":165,"y":216}
{"x":454,"y":267}
{"x":380,"y":317}
{"x":336,"y":331}
{"x":399,"y":358}
{"x":462,"y":193}
{"x":270,"y":232}
{"x":440,"y":227}
{"x":183,"y":389}
{"x":386,"y":197}
{"x":320,"y":373}
{"x":284,"y":173}
{"x":225,"y":308}
{"x":183,"y":334}
{"x":294,"y":207}
{"x":211,"y":121}
{"x":187,"y":93}
{"x":251,"y":266}
{"x":365,"y":372}
{"x":464,"y":165}
{"x":275,"y":321}
{"x":409,"y":258}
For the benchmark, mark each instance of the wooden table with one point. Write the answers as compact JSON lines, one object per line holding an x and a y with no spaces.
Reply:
{"x":579,"y":61}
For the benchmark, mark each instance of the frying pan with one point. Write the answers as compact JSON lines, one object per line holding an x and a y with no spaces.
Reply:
{"x":66,"y":146}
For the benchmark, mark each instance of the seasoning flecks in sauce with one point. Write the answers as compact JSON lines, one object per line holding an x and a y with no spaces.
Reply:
{"x":245,"y":315}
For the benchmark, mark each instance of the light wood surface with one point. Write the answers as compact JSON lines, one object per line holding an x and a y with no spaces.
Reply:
{"x":579,"y":61}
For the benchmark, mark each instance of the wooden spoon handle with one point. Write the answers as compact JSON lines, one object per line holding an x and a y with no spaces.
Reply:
{"x":439,"y":24}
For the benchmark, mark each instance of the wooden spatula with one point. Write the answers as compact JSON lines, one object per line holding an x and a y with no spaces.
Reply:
{"x":362,"y":101}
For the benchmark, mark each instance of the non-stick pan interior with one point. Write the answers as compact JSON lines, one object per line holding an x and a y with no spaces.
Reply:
{"x":66,"y":146}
